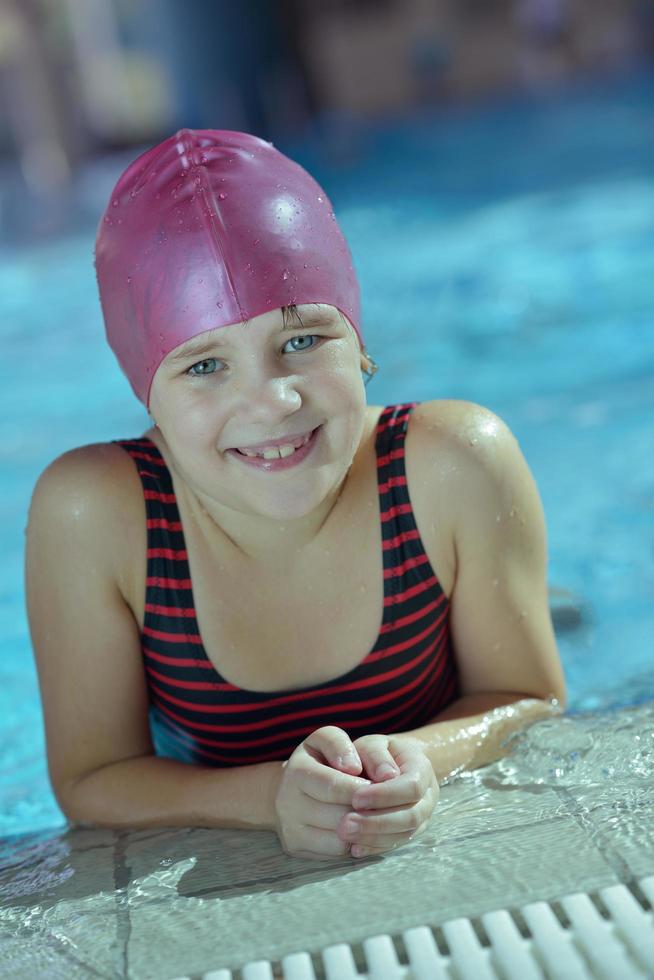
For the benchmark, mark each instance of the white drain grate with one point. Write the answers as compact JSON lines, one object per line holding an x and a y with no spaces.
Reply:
{"x":607,"y":935}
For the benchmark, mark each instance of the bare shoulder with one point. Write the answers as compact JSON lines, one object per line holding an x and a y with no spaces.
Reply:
{"x":93,"y":479}
{"x":463,"y":426}
{"x":472,"y":462}
{"x":92,"y":494}
{"x":467,"y":446}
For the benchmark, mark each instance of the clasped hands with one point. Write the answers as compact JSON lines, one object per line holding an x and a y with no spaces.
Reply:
{"x":337,"y":796}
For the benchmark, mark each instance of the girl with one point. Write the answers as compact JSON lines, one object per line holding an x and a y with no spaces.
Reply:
{"x":279,"y":607}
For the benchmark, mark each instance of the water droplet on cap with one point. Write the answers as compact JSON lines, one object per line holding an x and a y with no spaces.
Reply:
{"x":222,"y":196}
{"x":114,"y":203}
{"x":285,"y":274}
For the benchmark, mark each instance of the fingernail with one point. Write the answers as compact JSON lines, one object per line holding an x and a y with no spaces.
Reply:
{"x":386,"y":769}
{"x":351,"y":759}
{"x":351,"y":825}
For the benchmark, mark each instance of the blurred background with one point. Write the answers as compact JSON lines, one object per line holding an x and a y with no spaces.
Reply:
{"x":491,"y":163}
{"x":80,"y":79}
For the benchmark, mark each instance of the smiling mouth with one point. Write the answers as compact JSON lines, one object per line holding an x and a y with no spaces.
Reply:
{"x":278,"y":452}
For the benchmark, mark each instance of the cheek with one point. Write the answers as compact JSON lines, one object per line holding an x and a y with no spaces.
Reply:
{"x":351,"y":395}
{"x":182,"y":414}
{"x":342,"y":371}
{"x":195,"y":430}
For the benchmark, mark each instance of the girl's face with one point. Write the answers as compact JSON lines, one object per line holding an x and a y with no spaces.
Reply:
{"x":247,"y":384}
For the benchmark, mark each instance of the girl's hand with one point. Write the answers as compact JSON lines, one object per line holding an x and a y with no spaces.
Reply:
{"x":398,"y":804}
{"x":315,"y":791}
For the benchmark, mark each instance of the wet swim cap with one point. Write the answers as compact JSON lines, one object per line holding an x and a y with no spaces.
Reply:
{"x":209,"y":228}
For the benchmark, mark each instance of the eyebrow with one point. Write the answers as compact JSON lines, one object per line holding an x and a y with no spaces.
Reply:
{"x":201,"y":347}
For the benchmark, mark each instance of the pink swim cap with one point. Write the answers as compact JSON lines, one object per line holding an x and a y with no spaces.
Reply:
{"x":209,"y":228}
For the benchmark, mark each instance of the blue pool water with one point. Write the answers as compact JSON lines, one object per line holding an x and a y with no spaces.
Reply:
{"x":506,"y":256}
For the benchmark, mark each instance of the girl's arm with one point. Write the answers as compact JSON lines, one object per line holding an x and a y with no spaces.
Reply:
{"x":471,"y":731}
{"x":149,"y":791}
{"x":86,"y":643}
{"x":500,"y":619}
{"x":501,"y":625}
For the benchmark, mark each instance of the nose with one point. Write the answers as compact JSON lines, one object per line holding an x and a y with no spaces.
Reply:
{"x":265,"y":397}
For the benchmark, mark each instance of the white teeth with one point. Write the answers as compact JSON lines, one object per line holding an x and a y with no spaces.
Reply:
{"x":276,"y":452}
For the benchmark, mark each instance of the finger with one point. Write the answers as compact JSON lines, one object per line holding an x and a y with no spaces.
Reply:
{"x":360,"y":826}
{"x":324,"y":816}
{"x":382,"y":845}
{"x":407,"y":788}
{"x":336,"y":746}
{"x":377,"y":760}
{"x":327,"y":785}
{"x":312,"y":856}
{"x":318,"y":842}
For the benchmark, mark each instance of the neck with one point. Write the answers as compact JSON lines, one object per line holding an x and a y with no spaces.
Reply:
{"x":269,"y":544}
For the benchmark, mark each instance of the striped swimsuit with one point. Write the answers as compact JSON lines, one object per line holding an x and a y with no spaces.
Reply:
{"x":404,"y":681}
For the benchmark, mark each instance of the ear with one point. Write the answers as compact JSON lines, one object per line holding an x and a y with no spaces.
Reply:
{"x":368,"y":366}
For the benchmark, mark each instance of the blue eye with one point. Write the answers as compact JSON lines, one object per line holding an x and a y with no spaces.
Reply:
{"x":201,"y":374}
{"x":311,"y":336}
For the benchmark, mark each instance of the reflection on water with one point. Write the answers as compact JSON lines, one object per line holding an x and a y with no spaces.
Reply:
{"x":571,"y":808}
{"x":567,"y":754}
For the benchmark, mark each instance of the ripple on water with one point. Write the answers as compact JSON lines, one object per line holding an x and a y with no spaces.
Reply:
{"x":593,"y":760}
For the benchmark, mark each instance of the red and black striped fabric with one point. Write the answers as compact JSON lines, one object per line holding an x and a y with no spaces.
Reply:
{"x":404,"y":681}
